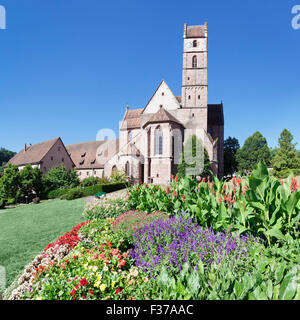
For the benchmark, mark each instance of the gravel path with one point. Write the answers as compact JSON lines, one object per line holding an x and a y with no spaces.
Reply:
{"x":112,"y":195}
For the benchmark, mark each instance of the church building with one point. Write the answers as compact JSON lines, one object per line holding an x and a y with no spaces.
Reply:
{"x":151,"y":138}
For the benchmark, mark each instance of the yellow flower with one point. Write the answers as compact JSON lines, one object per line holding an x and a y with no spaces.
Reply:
{"x":95,"y":268}
{"x":99,"y":277}
{"x":105,"y":268}
{"x":102,"y":287}
{"x":113,"y":284}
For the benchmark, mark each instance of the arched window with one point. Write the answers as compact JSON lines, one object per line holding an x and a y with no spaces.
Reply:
{"x":195,"y":43}
{"x":129,"y":135}
{"x":158,"y":135}
{"x":194,"y":61}
{"x":114,"y":168}
{"x":127,"y":168}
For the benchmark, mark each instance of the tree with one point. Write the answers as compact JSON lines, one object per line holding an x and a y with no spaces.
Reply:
{"x":10,"y":182}
{"x":254,"y":150}
{"x":231,"y":146}
{"x":194,"y":159}
{"x":287,"y":159}
{"x":5,"y":156}
{"x":30,"y":181}
{"x":58,"y":177}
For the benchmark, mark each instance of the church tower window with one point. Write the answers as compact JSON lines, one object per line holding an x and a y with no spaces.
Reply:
{"x":158,"y":135}
{"x":195,"y":43}
{"x":127,"y":168}
{"x":194,"y":61}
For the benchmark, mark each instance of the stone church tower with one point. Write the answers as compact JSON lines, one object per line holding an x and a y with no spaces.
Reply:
{"x":149,"y":136}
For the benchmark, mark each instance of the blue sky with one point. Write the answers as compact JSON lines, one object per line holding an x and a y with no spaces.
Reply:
{"x":68,"y":68}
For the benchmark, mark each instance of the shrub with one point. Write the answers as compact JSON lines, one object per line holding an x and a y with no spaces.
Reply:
{"x":118,"y":176}
{"x":10,"y":202}
{"x":91,"y":181}
{"x":54,"y":194}
{"x":2,"y":203}
{"x":73,"y":194}
{"x":106,"y":208}
{"x":60,"y":178}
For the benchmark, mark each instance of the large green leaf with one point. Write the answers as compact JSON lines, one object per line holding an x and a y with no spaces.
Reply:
{"x":260,"y":171}
{"x":275,"y":233}
{"x":288,"y":287}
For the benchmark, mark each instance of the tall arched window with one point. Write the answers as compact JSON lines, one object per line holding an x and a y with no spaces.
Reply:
{"x":158,"y":135}
{"x":127,"y":168}
{"x":129,"y":135}
{"x":195,"y":43}
{"x":194,"y":61}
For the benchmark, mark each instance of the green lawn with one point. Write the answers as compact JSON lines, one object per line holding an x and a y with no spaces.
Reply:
{"x":26,"y":230}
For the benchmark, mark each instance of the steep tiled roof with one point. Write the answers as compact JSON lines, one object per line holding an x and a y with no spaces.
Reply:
{"x":132,"y":119}
{"x":162,"y":115}
{"x":85,"y":155}
{"x":178,"y":98}
{"x":215,"y":114}
{"x":33,"y":154}
{"x":195,"y":31}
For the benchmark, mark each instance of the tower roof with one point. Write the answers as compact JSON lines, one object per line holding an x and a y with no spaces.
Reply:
{"x":196,"y":31}
{"x":162,"y":115}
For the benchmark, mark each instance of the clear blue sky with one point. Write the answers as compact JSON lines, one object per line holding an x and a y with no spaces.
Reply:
{"x":68,"y":68}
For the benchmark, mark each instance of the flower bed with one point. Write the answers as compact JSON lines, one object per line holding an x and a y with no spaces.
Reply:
{"x":180,"y":240}
{"x":131,"y":221}
{"x":51,"y":256}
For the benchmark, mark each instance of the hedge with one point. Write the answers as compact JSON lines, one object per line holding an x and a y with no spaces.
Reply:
{"x":89,"y":191}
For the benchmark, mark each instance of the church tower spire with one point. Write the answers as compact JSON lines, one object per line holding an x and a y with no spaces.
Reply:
{"x":194,"y":69}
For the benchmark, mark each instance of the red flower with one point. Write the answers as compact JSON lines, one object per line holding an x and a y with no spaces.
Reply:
{"x":83,"y":282}
{"x":183,"y":197}
{"x":175,"y":194}
{"x":67,"y":262}
{"x":176,"y":179}
{"x":95,"y":256}
{"x":109,"y":244}
{"x":122,"y":263}
{"x":294,"y":186}
{"x":91,"y":291}
{"x":118,"y":290}
{"x":172,"y":176}
{"x":76,"y":287}
{"x":72,"y":292}
{"x":203,"y":180}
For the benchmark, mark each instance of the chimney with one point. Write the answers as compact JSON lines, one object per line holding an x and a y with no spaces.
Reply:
{"x":25,"y":147}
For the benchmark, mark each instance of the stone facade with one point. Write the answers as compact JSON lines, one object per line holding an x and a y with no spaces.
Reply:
{"x":151,"y":139}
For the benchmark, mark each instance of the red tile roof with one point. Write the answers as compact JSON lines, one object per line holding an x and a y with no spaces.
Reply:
{"x":132,"y":119}
{"x":33,"y":154}
{"x":86,"y":155}
{"x":162,"y":115}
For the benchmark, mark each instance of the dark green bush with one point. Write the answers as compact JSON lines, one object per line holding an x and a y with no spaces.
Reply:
{"x":91,"y":181}
{"x":88,"y":191}
{"x":73,"y":194}
{"x":54,"y":194}
{"x":2,"y":203}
